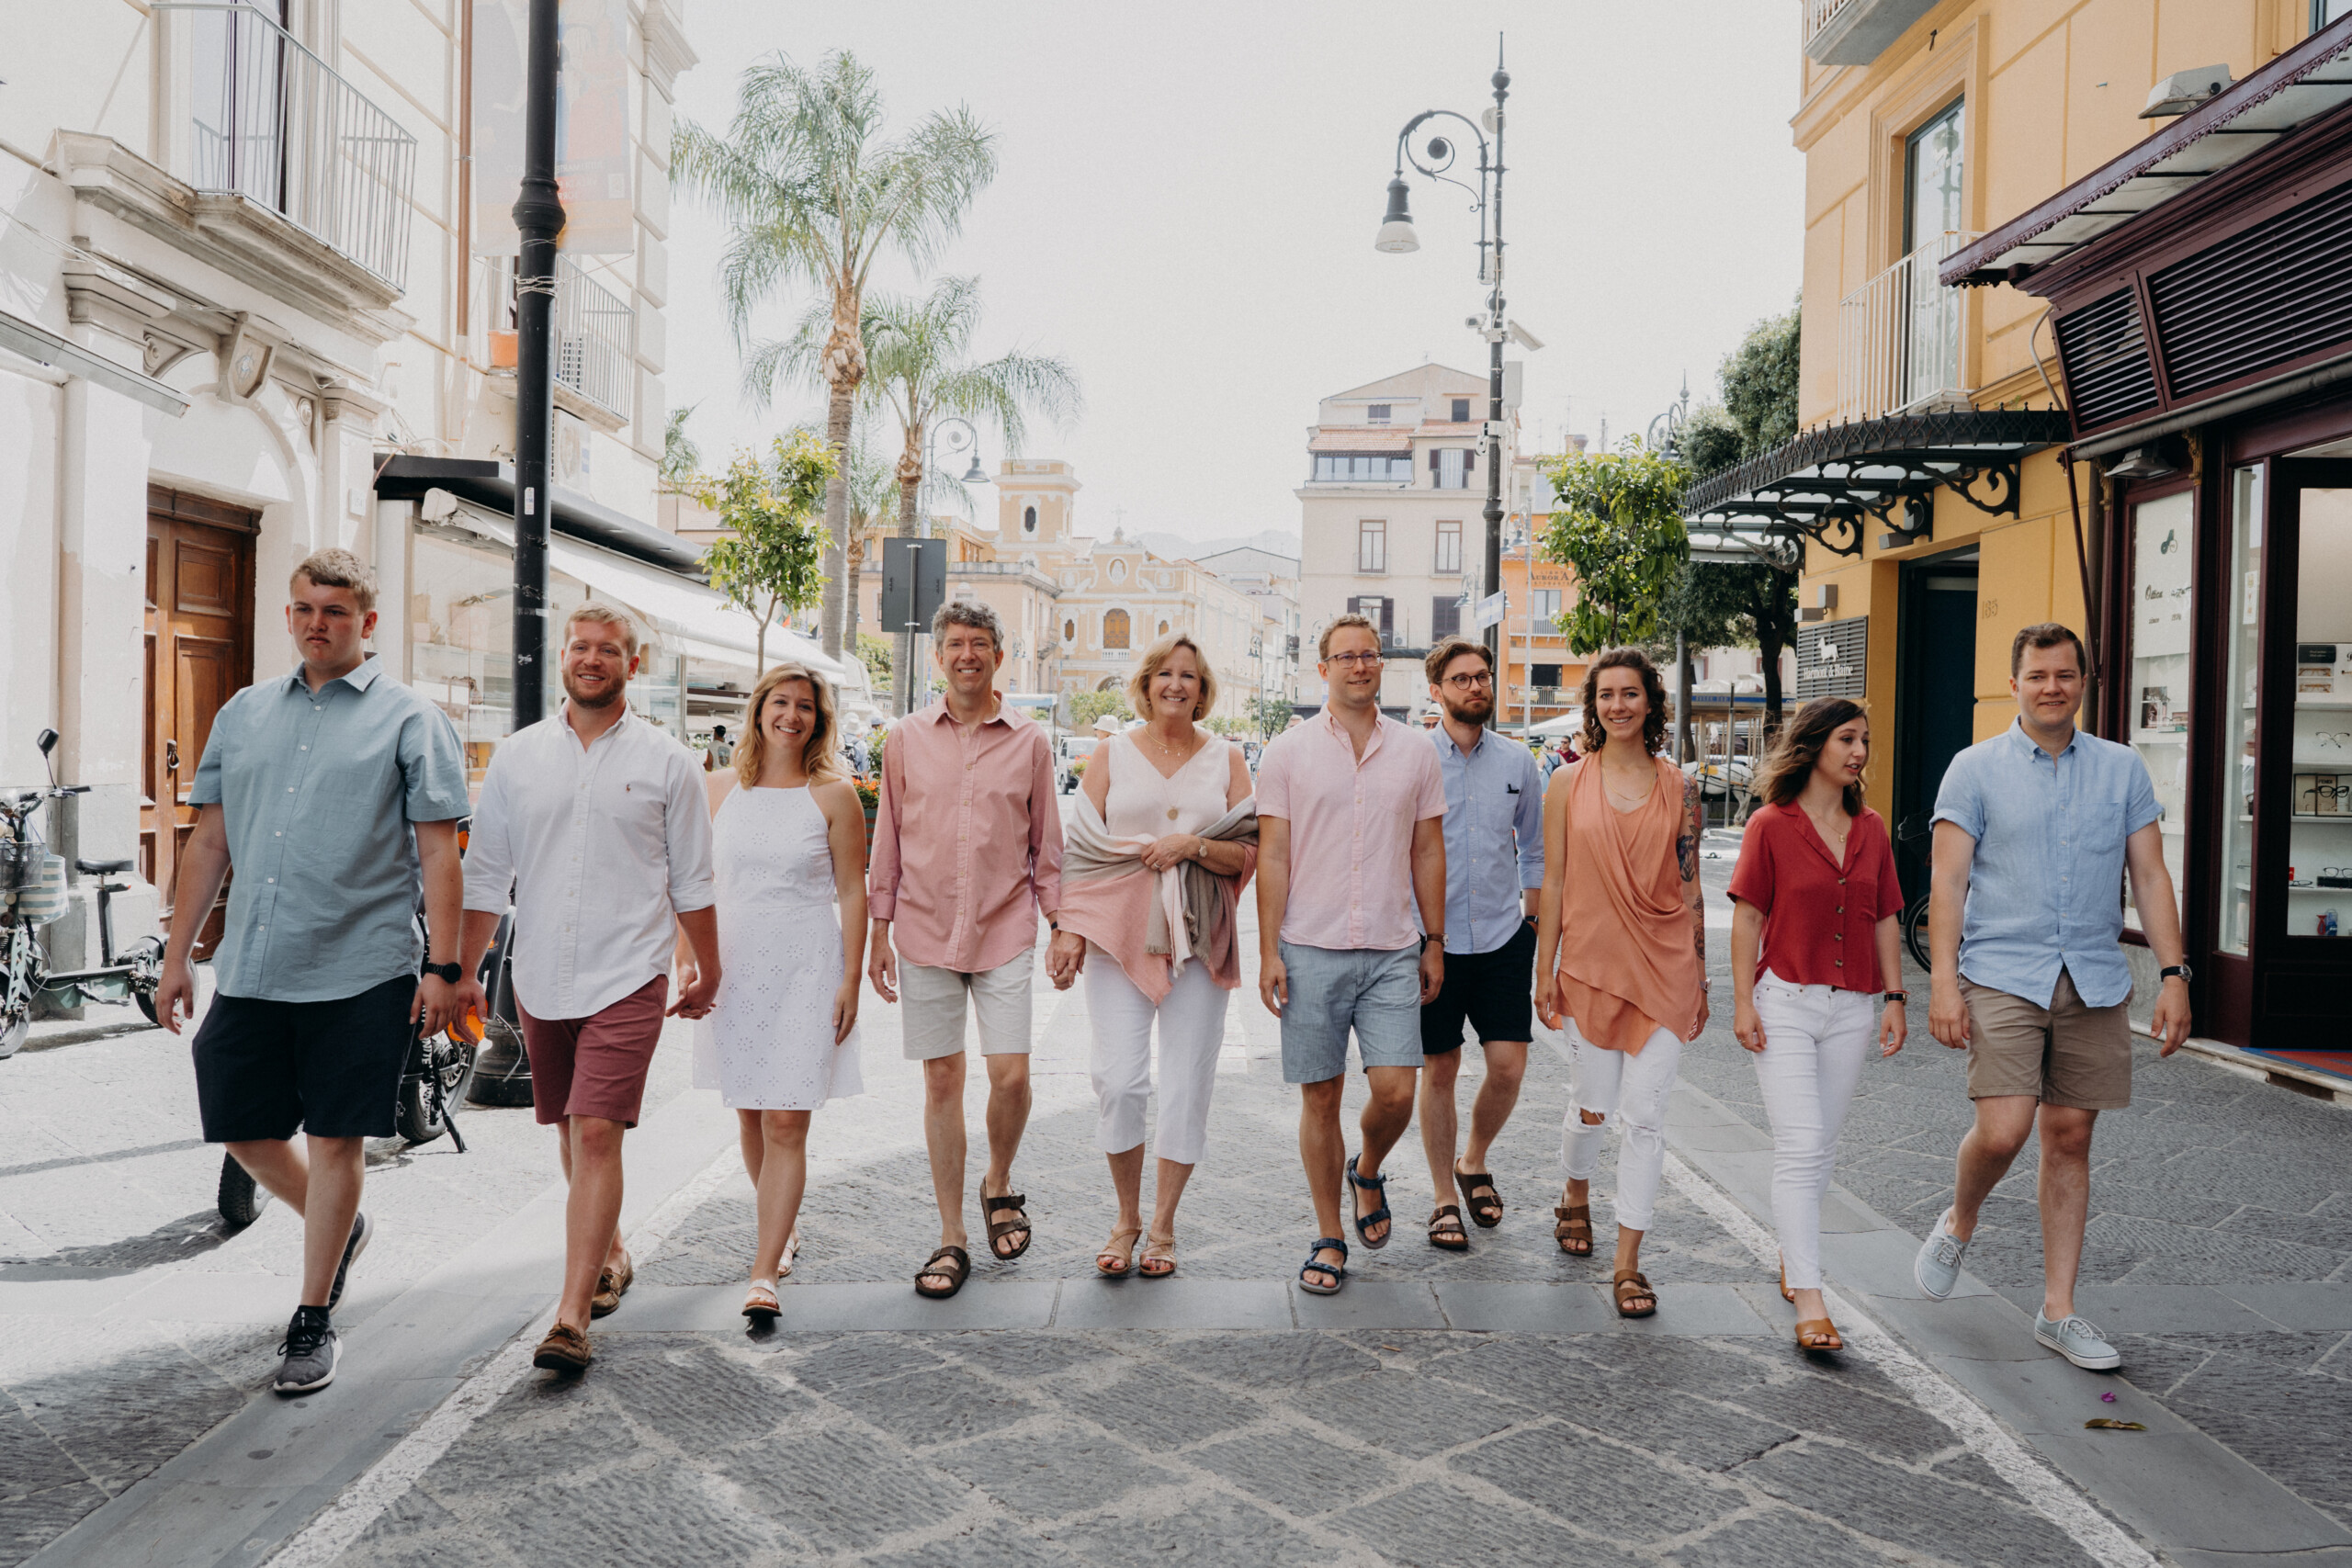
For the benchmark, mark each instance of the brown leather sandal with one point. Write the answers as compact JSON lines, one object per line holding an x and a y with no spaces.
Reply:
{"x":999,"y":1229}
{"x":951,"y":1264}
{"x":1573,"y":1233}
{"x":1633,"y":1285}
{"x":1484,"y":1199}
{"x":1786,"y":1294}
{"x":1445,"y":1229}
{"x":1818,"y":1333}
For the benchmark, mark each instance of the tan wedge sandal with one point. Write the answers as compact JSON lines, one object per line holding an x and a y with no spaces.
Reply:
{"x":1117,"y":1258}
{"x":1818,"y":1333}
{"x":1159,"y":1256}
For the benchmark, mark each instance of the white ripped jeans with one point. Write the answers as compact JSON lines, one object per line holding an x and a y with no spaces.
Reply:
{"x":1633,"y":1089}
{"x":1816,"y":1040}
{"x":1192,"y":1031}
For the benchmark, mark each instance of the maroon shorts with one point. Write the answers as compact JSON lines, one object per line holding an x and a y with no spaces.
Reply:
{"x":596,"y":1065}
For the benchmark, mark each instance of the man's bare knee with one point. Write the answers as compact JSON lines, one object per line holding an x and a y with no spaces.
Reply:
{"x":942,"y":1079}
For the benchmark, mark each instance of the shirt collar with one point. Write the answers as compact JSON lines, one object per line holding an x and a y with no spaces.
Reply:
{"x":2026,"y":746}
{"x":937,"y":712}
{"x":564,"y":723}
{"x":1338,"y":731}
{"x":358,"y":678}
{"x":1445,"y":742}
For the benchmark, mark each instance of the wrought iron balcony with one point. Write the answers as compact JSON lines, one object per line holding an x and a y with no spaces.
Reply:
{"x":273,"y":123}
{"x":595,"y":336}
{"x":1855,"y":32}
{"x":1898,"y":338}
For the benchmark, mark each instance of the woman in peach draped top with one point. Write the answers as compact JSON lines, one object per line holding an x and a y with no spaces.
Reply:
{"x":1621,"y":951}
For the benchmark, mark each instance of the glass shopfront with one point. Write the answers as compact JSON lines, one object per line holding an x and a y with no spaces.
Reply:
{"x":2242,"y":636}
{"x":2319,"y":847}
{"x":2158,"y":699}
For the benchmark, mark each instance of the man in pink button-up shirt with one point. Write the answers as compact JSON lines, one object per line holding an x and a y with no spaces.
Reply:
{"x":1351,"y":839}
{"x":968,"y":850}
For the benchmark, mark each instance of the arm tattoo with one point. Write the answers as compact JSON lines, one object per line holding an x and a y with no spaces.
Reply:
{"x":1686,"y":846}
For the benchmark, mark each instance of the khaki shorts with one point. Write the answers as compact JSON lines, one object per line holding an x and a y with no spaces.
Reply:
{"x":2065,"y":1053}
{"x":934,"y":1002}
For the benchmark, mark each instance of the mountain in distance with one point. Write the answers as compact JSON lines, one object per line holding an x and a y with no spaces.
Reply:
{"x":1177,"y":547}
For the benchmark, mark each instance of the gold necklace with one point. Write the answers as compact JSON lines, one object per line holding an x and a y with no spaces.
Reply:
{"x":1172,"y":750}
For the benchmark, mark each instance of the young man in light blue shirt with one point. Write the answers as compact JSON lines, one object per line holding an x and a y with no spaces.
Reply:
{"x":1494,"y":869}
{"x":2034,"y":831}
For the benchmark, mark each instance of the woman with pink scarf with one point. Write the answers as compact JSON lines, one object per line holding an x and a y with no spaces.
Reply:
{"x":1151,"y":877}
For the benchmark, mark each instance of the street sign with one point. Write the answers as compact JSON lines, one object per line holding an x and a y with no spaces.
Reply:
{"x":915,"y":583}
{"x":1490,"y":610}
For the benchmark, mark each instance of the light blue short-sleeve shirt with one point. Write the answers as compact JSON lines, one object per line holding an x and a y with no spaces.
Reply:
{"x":2045,"y":886}
{"x":318,"y":791}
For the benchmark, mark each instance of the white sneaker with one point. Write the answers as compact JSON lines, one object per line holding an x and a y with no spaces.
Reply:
{"x":2077,"y":1339}
{"x":1937,"y":1266}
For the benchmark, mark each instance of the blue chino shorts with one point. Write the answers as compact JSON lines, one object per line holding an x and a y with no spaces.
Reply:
{"x":1332,"y":990}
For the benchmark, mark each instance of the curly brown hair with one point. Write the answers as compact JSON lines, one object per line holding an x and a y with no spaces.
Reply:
{"x":1782,"y":777}
{"x":1653,"y":722}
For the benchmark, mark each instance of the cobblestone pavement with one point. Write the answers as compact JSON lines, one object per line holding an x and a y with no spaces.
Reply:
{"x":1696,"y":1438}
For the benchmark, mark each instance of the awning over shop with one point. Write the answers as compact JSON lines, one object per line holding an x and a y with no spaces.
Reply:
{"x":492,"y":487}
{"x":2306,"y":82}
{"x":1361,"y":441}
{"x":1821,"y":485}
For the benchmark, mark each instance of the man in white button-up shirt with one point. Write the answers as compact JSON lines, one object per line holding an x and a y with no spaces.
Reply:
{"x":596,"y":821}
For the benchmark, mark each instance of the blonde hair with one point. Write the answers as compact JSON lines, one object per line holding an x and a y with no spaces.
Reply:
{"x":817,"y":757}
{"x":333,"y":568}
{"x":603,"y":615}
{"x":1323,"y":643}
{"x":1140,"y":688}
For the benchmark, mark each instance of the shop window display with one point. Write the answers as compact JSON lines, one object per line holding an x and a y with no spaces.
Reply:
{"x":2241,"y":732}
{"x":2163,"y":555}
{"x":2319,"y":898}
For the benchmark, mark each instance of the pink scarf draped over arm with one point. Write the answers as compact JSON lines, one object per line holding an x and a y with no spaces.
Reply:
{"x":1154,"y":923}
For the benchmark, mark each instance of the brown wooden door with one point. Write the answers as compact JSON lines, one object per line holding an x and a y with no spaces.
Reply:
{"x":199,"y":654}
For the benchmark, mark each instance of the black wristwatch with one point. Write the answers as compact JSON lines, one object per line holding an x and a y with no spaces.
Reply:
{"x":1896,"y":997}
{"x":2170,"y":970}
{"x":450,"y":974}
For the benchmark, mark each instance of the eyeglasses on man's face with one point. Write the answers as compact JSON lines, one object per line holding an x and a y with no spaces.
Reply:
{"x":1352,"y":660}
{"x":1472,"y":682}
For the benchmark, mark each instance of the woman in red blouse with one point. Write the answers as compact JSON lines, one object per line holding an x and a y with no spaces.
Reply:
{"x":1815,"y":891}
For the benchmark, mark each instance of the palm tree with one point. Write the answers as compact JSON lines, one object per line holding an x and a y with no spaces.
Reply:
{"x":918,"y":370}
{"x":812,"y":193}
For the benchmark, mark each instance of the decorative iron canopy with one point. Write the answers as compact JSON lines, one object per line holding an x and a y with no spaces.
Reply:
{"x":1822,"y":484}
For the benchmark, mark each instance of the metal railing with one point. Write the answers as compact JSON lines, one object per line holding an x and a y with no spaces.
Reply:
{"x":1898,"y":336}
{"x":272,"y":122}
{"x":1819,"y":14}
{"x":595,"y":339}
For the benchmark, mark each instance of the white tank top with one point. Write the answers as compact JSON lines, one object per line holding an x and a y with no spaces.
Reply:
{"x":1144,"y":804}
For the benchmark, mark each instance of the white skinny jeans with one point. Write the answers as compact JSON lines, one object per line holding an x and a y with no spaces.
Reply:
{"x":1605,"y":1081}
{"x":1191,"y":1029}
{"x":1816,"y":1041}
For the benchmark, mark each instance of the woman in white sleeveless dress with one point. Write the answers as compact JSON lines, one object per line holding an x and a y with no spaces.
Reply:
{"x":788,"y":840}
{"x":1162,"y":783}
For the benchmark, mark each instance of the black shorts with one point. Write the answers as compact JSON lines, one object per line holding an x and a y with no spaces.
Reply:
{"x":264,"y":1069}
{"x":1494,"y":990}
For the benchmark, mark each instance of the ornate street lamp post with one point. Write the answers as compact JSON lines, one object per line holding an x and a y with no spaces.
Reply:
{"x":1396,"y":238}
{"x":961,"y":438}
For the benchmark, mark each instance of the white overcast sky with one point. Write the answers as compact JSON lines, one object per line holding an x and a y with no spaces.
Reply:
{"x":1187,"y":197}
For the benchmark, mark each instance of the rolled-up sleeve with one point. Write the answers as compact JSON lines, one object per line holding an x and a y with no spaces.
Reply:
{"x":1432,"y":793}
{"x":1961,"y":798}
{"x":433,"y":767}
{"x":1527,"y":825}
{"x":1044,"y":829}
{"x":1274,"y":780}
{"x":882,"y":876}
{"x":1753,"y":876}
{"x":489,"y":857}
{"x":2140,"y":806}
{"x":206,"y":790}
{"x":687,"y":818}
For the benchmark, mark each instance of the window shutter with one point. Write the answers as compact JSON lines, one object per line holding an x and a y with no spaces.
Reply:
{"x":1388,"y":626}
{"x":1446,"y":618}
{"x":1470,"y":460}
{"x":1433,"y":454}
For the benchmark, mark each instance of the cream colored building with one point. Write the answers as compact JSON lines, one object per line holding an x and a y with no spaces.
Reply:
{"x":254,"y":300}
{"x":1079,"y":610}
{"x":1393,"y":517}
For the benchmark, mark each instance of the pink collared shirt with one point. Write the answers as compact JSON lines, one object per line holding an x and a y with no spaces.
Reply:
{"x":1350,"y":829}
{"x":968,"y":842}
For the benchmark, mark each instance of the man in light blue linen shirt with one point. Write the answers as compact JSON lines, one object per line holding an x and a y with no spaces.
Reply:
{"x":1494,"y":868}
{"x":2034,"y":831}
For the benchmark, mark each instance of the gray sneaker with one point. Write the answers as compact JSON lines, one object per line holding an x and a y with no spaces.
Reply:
{"x":363,"y":1231}
{"x":1937,"y":1266}
{"x":2079,"y":1340}
{"x":311,"y":1350}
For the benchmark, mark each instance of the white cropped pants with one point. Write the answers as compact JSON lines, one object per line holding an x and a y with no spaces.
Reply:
{"x":1191,"y":1029}
{"x":1816,"y":1041}
{"x":1634,"y":1090}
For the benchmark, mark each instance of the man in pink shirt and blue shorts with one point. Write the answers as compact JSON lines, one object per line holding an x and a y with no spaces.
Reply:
{"x":1351,"y":927}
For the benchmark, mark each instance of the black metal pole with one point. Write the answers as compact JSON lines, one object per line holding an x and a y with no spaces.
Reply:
{"x":1494,"y":563}
{"x":539,"y":215}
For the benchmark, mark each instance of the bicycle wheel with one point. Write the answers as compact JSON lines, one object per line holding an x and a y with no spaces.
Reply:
{"x":145,"y":961}
{"x":1915,"y":932}
{"x":239,"y":1198}
{"x":422,"y":1115}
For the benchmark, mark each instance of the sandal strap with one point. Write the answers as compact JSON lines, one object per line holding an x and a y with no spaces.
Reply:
{"x":1378,"y":1183}
{"x":1005,"y":1201}
{"x":1334,"y":1243}
{"x":1005,"y":1227}
{"x":1443,"y":1210}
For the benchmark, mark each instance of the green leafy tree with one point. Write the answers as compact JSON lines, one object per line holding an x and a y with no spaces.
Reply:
{"x":1619,"y":524}
{"x":813,"y":193}
{"x":1268,"y":717}
{"x":1085,"y":708}
{"x":772,"y":561}
{"x":681,"y":458}
{"x":875,"y":651}
{"x":918,"y":370}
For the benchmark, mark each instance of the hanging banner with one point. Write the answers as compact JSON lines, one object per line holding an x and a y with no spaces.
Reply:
{"x":594,"y":160}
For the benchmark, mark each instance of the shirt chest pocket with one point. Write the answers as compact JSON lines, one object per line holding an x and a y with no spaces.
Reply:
{"x":637,"y":807}
{"x":2099,"y":826}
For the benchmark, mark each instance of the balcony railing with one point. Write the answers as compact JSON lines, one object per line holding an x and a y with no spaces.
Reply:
{"x":1855,"y":32}
{"x":272,"y":122}
{"x":1899,"y":338}
{"x":595,"y":334}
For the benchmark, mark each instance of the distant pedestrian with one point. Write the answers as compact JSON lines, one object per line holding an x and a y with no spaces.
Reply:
{"x":967,"y":852}
{"x":859,"y":760}
{"x":722,"y":751}
{"x":1351,"y":927}
{"x":1162,"y":844}
{"x":1493,"y":873}
{"x":787,"y":844}
{"x":597,"y":822}
{"x":334,"y":792}
{"x":1817,"y":929}
{"x":2034,"y":831}
{"x":1621,"y":958}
